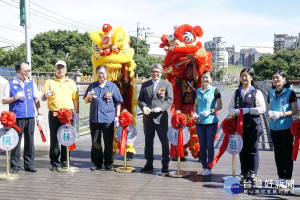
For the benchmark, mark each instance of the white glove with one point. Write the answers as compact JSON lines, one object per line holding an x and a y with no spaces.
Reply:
{"x":146,"y":110}
{"x":237,"y":111}
{"x":195,"y":116}
{"x":205,"y":113}
{"x":48,"y":93}
{"x":91,"y":94}
{"x":157,"y":110}
{"x":39,"y":118}
{"x":76,"y":117}
{"x":19,"y":95}
{"x":246,"y":110}
{"x":276,"y":115}
{"x":116,"y":121}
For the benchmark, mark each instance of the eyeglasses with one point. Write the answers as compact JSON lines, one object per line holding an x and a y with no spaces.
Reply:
{"x":26,"y":71}
{"x":155,"y":72}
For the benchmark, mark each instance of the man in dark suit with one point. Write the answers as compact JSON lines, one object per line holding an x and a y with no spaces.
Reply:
{"x":156,"y":97}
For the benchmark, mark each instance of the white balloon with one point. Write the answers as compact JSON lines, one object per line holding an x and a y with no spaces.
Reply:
{"x":66,"y":135}
{"x":132,"y":133}
{"x":235,"y":144}
{"x":173,"y":135}
{"x":9,"y":138}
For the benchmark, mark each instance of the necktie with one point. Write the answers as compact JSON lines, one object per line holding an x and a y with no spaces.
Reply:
{"x":154,"y":86}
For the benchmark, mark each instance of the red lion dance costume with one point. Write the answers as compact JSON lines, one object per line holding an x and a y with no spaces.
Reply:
{"x":179,"y":46}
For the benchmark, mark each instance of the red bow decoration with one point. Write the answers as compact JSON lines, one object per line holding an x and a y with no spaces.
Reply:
{"x":65,"y":116}
{"x":229,"y":126}
{"x":125,"y":119}
{"x":295,"y":130}
{"x":177,"y":120}
{"x":8,"y":119}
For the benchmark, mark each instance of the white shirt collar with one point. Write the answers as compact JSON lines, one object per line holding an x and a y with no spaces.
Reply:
{"x":16,"y":80}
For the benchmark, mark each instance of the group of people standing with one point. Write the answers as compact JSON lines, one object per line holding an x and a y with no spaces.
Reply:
{"x":155,"y":99}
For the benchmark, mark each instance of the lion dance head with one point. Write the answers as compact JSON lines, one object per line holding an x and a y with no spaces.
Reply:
{"x":180,"y":46}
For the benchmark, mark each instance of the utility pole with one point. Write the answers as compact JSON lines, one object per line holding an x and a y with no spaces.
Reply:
{"x":139,"y":30}
{"x":25,"y":22}
{"x":147,"y":34}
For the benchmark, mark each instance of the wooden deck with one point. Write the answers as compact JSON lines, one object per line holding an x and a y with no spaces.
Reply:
{"x":102,"y":184}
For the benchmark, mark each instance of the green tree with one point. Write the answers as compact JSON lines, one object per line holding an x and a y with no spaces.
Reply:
{"x":289,"y":61}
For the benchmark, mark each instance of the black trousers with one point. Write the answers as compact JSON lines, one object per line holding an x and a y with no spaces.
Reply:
{"x":97,"y":129}
{"x":27,"y":126}
{"x":283,"y":149}
{"x":55,"y":151}
{"x":149,"y":131}
{"x":249,"y":156}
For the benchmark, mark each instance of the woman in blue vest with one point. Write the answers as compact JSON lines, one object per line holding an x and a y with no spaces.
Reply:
{"x":248,"y":98}
{"x":206,"y":120}
{"x":283,"y":104}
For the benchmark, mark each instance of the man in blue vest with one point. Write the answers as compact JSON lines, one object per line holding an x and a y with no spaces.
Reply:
{"x":21,"y":94}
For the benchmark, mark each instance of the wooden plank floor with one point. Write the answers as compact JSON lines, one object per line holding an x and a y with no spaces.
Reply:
{"x":102,"y":184}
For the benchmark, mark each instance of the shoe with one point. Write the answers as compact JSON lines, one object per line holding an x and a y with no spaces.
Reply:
{"x":64,"y":165}
{"x":183,"y":159}
{"x":14,"y":171}
{"x":147,"y":168}
{"x":94,"y":167}
{"x":30,"y":169}
{"x":53,"y":168}
{"x":199,"y":159}
{"x":109,"y":167}
{"x":164,"y":170}
{"x":174,"y":159}
{"x":199,"y":173}
{"x":207,"y":172}
{"x":130,"y":156}
{"x":251,"y":178}
{"x":243,"y":179}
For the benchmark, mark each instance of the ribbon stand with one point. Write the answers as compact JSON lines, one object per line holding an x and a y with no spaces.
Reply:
{"x":125,"y":134}
{"x":7,"y":175}
{"x":66,"y":135}
{"x":125,"y":169}
{"x":176,"y":138}
{"x":68,"y":169}
{"x":9,"y":139}
{"x":234,"y":147}
{"x":179,"y":173}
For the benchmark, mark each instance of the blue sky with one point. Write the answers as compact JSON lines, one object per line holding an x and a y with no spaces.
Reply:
{"x":241,"y":22}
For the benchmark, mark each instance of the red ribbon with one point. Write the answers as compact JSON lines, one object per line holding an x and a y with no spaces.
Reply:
{"x":8,"y":119}
{"x":125,"y":119}
{"x":240,"y":123}
{"x":295,"y":130}
{"x":177,"y":120}
{"x":41,"y":132}
{"x":229,"y":126}
{"x":65,"y":116}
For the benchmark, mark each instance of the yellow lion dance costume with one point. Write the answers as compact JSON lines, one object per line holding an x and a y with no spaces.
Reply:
{"x":111,"y":47}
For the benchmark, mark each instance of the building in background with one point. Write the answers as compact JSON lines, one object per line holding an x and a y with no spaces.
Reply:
{"x":218,"y":50}
{"x":283,"y":42}
{"x":153,"y":43}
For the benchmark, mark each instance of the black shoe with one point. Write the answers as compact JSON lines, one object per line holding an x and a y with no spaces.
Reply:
{"x":53,"y":168}
{"x":14,"y":171}
{"x":64,"y":165}
{"x":165,"y":170}
{"x":174,"y":159}
{"x":109,"y":167}
{"x":94,"y":167}
{"x":199,"y":159}
{"x":30,"y":169}
{"x":147,"y":168}
{"x":130,"y":156}
{"x":183,"y":159}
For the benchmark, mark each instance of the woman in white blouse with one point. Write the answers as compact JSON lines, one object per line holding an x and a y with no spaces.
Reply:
{"x":248,"y":98}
